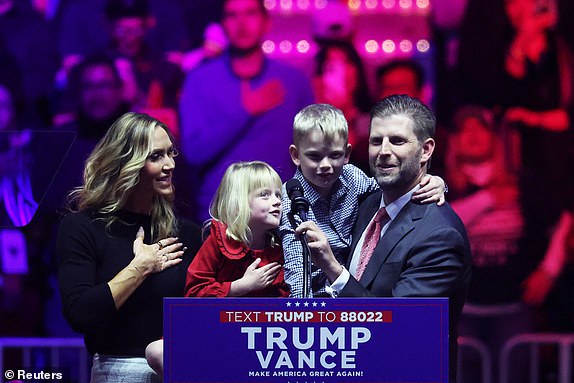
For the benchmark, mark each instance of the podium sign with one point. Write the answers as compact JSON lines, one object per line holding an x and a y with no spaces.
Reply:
{"x":289,"y":340}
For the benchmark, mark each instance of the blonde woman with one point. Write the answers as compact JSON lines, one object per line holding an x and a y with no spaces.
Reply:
{"x":122,"y":249}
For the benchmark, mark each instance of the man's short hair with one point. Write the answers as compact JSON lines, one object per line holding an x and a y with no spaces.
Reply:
{"x":401,"y":104}
{"x":324,"y":117}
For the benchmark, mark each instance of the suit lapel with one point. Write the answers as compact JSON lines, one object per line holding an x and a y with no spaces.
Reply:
{"x":399,"y":228}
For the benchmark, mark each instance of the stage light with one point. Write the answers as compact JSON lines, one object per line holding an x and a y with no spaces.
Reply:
{"x":423,"y":45}
{"x":371,"y":46}
{"x":270,"y":4}
{"x":285,"y":46}
{"x":303,"y":46}
{"x":405,"y":4}
{"x":406,"y":46}
{"x":354,"y":4}
{"x":423,"y":4}
{"x":268,"y":46}
{"x":388,"y":4}
{"x":286,"y":5}
{"x":303,"y":4}
{"x":388,"y":46}
{"x":320,"y":4}
{"x":371,"y":4}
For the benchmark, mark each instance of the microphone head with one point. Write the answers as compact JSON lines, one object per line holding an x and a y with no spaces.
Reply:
{"x":294,"y":188}
{"x":299,"y":204}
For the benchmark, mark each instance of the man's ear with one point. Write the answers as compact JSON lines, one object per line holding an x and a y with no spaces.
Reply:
{"x":427,"y":150}
{"x":348,"y":151}
{"x":294,"y":152}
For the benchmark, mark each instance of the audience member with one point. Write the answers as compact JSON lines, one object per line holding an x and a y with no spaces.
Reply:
{"x":479,"y":71}
{"x":400,"y":77}
{"x":123,"y":249}
{"x":81,"y":24}
{"x":538,"y":86}
{"x":551,"y":286}
{"x":206,"y":37}
{"x":96,"y":92}
{"x":239,"y":105}
{"x":340,"y":80}
{"x":425,"y":250}
{"x":154,"y":82}
{"x":31,"y":41}
{"x":486,"y":197}
{"x":96,"y":100}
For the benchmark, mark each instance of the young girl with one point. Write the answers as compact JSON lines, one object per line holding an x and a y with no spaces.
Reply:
{"x":242,"y":256}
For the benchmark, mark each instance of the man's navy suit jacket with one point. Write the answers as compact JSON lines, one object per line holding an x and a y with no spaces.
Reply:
{"x":424,"y":253}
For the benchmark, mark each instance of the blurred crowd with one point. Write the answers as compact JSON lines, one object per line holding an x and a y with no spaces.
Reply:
{"x":502,"y":88}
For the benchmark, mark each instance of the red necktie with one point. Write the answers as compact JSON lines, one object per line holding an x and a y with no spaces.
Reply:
{"x":372,"y":236}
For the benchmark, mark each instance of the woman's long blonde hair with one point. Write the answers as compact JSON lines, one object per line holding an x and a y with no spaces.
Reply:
{"x":230,"y":204}
{"x":113,"y":170}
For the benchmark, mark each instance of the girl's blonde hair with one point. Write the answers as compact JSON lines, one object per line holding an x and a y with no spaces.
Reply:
{"x":230,"y":204}
{"x":113,"y":170}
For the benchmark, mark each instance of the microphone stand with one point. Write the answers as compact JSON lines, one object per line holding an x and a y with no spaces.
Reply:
{"x":306,"y":267}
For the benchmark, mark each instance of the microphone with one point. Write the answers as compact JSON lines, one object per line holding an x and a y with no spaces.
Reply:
{"x":299,"y":204}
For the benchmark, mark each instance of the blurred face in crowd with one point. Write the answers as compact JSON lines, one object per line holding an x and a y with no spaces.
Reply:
{"x":339,"y":78}
{"x":6,"y":108}
{"x":321,"y":161}
{"x":475,"y":141}
{"x":100,"y":92}
{"x":245,"y":22}
{"x":128,"y":35}
{"x":399,"y":80}
{"x":531,"y":15}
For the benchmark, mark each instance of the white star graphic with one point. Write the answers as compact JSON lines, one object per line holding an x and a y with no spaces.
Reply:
{"x":323,"y":304}
{"x":297,"y":304}
{"x":288,"y":304}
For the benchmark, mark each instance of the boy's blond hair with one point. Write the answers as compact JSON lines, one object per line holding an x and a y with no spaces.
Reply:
{"x":324,"y":117}
{"x":230,"y":204}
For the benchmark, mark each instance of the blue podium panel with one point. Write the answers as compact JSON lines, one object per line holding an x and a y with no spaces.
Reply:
{"x":375,"y":340}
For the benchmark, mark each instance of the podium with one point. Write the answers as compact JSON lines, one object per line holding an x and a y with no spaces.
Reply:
{"x":318,"y":340}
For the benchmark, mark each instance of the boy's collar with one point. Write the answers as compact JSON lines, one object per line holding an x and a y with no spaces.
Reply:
{"x":312,"y":194}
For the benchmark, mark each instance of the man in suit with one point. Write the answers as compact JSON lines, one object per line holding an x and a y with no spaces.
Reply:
{"x":400,"y":248}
